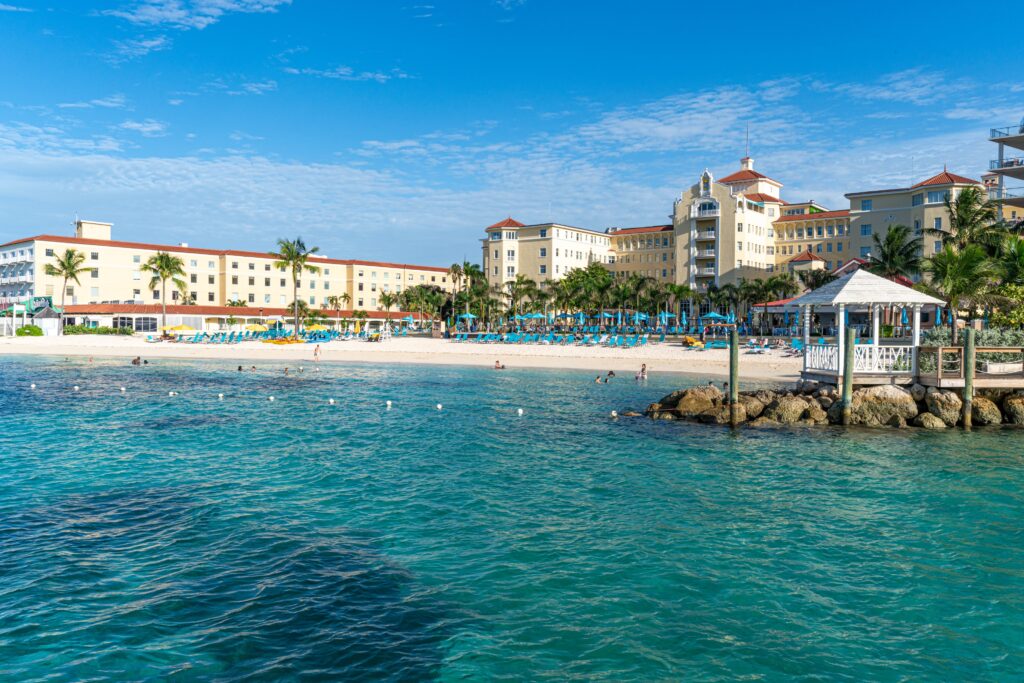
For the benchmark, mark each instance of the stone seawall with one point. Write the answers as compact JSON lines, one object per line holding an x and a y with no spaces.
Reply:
{"x":811,"y":403}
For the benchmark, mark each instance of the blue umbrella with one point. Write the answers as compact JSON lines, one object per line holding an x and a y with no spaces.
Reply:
{"x":666,"y":314}
{"x":846,"y":317}
{"x":467,"y":316}
{"x":606,"y":314}
{"x":409,"y":319}
{"x":682,"y":318}
{"x":581,"y":318}
{"x":618,"y":318}
{"x":785,"y":318}
{"x":903,"y":317}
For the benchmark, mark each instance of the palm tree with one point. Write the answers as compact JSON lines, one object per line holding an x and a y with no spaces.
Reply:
{"x":1011,"y":260}
{"x":973,"y":219}
{"x":387,"y":300}
{"x":898,"y":254}
{"x":165,"y":267}
{"x":813,"y":279}
{"x":293,"y":255}
{"x":237,"y":303}
{"x":961,"y":277}
{"x":336,"y":302}
{"x":68,"y":266}
{"x":518,"y":290}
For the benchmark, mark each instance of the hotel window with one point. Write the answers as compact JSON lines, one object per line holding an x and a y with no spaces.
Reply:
{"x":820,"y":231}
{"x":829,"y":248}
{"x":664,"y":273}
{"x":95,"y":256}
{"x":410,"y":277}
{"x":312,"y":300}
{"x":360,"y":273}
{"x":839,"y":247}
{"x":327,"y":285}
{"x":266,"y":266}
{"x":917,"y":199}
{"x":282,"y":282}
{"x":865,"y":230}
{"x":360,"y":303}
{"x":234,"y":279}
{"x":252,"y":282}
{"x":938,"y":245}
{"x":865,"y":252}
{"x":818,"y":249}
{"x":937,"y":197}
{"x":739,"y":246}
{"x":95,"y":291}
{"x":192,"y":278}
{"x":210,"y":279}
{"x":234,"y":265}
{"x":543,"y":269}
{"x":543,"y":252}
{"x":252,"y":266}
{"x":360,"y":286}
{"x":211,"y":264}
{"x":312,"y":284}
{"x":495,"y":270}
{"x":136,"y":293}
{"x":136,"y":275}
{"x":543,"y":232}
{"x":156,"y":294}
{"x":95,"y":273}
{"x":266,"y":282}
{"x":266,"y":298}
{"x":865,"y":204}
{"x":282,"y":299}
{"x":664,"y":257}
{"x":49,"y":252}
{"x":191,"y":264}
{"x":495,"y":235}
{"x":937,"y":223}
{"x":917,"y":226}
{"x":373,"y":286}
{"x":510,"y":271}
{"x":739,"y":227}
{"x":252,"y":298}
{"x":496,"y":254}
{"x":135,"y":258}
{"x":511,"y":254}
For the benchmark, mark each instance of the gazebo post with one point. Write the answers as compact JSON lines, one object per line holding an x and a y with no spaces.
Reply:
{"x":915,"y":337}
{"x":875,"y":320}
{"x":807,"y":333}
{"x":841,"y":336}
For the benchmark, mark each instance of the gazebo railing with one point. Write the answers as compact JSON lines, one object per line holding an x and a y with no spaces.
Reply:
{"x":892,"y":360}
{"x":822,"y":357}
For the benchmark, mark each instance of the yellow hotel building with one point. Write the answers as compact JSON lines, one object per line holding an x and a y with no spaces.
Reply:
{"x":214,"y":277}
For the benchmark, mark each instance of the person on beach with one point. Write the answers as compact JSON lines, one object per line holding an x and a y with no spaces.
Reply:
{"x":316,"y":354}
{"x":286,"y":372}
{"x":240,"y":368}
{"x":252,"y":369}
{"x":642,"y":375}
{"x":498,"y":365}
{"x":597,"y":380}
{"x":611,"y":373}
{"x":137,"y":360}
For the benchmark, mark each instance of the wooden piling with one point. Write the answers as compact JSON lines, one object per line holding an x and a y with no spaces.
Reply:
{"x":968,"y":360}
{"x":734,"y":375}
{"x":848,"y":353}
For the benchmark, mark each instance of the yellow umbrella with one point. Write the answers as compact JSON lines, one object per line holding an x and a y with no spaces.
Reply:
{"x":316,"y":328}
{"x":183,"y":328}
{"x":255,"y":327}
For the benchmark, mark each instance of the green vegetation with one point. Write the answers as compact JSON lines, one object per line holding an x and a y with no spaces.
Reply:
{"x":29,"y":331}
{"x":68,"y":266}
{"x":293,"y":256}
{"x":164,"y":267}
{"x":82,"y":329}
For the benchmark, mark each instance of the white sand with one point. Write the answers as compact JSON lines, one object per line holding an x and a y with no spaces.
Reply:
{"x":668,"y":357}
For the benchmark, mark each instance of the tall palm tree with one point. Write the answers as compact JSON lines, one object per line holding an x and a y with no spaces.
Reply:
{"x":960,"y":276}
{"x":387,"y":300}
{"x":68,"y":266}
{"x":813,"y":279}
{"x":678,"y":294}
{"x":1011,"y":260}
{"x":973,"y":219}
{"x":293,"y":255}
{"x":164,"y":267}
{"x":898,"y":254}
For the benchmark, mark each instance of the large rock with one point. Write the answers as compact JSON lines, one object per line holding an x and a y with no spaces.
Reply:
{"x":763,"y":422}
{"x":752,"y":406}
{"x":878,"y":405}
{"x":698,"y":400}
{"x":785,"y":410}
{"x":1013,"y":408}
{"x":929,"y":421}
{"x":917,"y":392}
{"x":765,"y":396}
{"x":944,"y":405}
{"x":985,"y":412}
{"x":720,"y":415}
{"x":815,"y":413}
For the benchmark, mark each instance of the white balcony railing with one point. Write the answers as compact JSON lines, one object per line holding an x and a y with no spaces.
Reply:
{"x":706,"y":235}
{"x":705,"y":253}
{"x":890,"y":360}
{"x":705,"y":213}
{"x":706,"y":271}
{"x":1015,"y":162}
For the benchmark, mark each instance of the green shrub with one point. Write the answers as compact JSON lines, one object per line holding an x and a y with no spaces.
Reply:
{"x":991,"y":337}
{"x":29,"y":331}
{"x":82,"y":329}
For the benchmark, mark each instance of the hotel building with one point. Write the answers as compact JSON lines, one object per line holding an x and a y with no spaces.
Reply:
{"x":544,"y":251}
{"x":214,"y":277}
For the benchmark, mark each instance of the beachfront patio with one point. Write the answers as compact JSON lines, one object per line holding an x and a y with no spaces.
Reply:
{"x":876,"y":361}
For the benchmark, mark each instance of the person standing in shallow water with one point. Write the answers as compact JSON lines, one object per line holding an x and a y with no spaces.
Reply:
{"x":316,"y":354}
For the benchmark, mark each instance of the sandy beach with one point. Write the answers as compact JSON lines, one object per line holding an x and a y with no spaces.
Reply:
{"x":668,"y":357}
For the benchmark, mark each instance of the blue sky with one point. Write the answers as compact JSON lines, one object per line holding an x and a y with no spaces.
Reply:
{"x":398,"y":130}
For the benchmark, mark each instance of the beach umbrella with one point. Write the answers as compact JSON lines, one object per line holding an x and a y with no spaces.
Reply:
{"x":316,"y":328}
{"x":409,"y":319}
{"x":467,"y":316}
{"x":903,"y":317}
{"x":581,"y":318}
{"x":682,"y":318}
{"x":256,"y":328}
{"x":785,"y":318}
{"x":618,"y":318}
{"x":846,"y":317}
{"x":606,"y":314}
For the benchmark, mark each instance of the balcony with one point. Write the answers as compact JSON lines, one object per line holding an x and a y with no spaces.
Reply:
{"x":705,"y":234}
{"x":696,"y":212}
{"x":1012,"y":136}
{"x":706,"y":271}
{"x":1013,"y":167}
{"x":1010,"y":197}
{"x":705,"y":253}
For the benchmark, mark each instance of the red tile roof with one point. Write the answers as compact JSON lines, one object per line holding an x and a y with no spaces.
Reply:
{"x":947,"y":178}
{"x":236,"y":311}
{"x":763,"y":198}
{"x":745,"y":174}
{"x":843,"y":213}
{"x":60,"y":239}
{"x":634,"y":231}
{"x":806,"y":256}
{"x":507,"y":223}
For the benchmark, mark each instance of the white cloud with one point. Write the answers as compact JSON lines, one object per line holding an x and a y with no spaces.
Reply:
{"x":149,"y":128}
{"x":913,"y":86}
{"x":12,"y":8}
{"x":259,"y":88}
{"x":138,"y":47}
{"x":189,"y":14}
{"x":347,"y":73}
{"x":174,"y":102}
{"x":112,"y":102}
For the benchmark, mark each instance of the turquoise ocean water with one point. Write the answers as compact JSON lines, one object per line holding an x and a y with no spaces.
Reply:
{"x":147,"y":537}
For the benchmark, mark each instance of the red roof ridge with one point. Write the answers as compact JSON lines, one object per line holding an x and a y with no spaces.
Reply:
{"x":507,"y":223}
{"x":762,"y":197}
{"x":946,"y":178}
{"x":746,"y":174}
{"x":806,"y":256}
{"x":236,"y":311}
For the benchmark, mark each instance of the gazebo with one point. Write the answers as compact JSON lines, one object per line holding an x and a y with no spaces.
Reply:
{"x":874,"y":363}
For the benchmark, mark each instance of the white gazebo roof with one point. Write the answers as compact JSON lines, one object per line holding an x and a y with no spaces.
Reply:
{"x":863,"y":288}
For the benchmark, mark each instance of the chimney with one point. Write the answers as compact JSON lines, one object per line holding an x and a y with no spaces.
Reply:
{"x":92,"y":230}
{"x":747,"y":164}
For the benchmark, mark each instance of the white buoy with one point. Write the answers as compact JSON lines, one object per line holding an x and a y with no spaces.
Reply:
{"x":220,"y":397}
{"x":76,"y":387}
{"x":172,"y":393}
{"x":615,"y":413}
{"x":330,"y":401}
{"x":270,"y":398}
{"x":32,"y":386}
{"x":123,"y":390}
{"x":439,"y":406}
{"x":519,"y":412}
